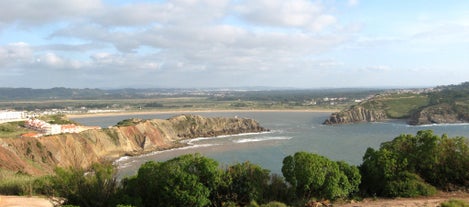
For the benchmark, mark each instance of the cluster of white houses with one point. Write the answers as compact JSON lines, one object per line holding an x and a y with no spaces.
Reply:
{"x":8,"y":116}
{"x":49,"y":129}
{"x":40,"y":126}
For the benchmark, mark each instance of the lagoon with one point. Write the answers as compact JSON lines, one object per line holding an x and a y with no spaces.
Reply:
{"x":290,"y":132}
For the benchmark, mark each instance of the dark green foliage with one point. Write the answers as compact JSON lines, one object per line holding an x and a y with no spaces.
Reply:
{"x":187,"y":180}
{"x":129,"y":122}
{"x":246,"y":182}
{"x":312,"y":175}
{"x":407,"y":184}
{"x":404,"y":166}
{"x":86,"y":189}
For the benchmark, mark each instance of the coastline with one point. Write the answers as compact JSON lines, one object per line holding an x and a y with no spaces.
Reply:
{"x":121,"y":113}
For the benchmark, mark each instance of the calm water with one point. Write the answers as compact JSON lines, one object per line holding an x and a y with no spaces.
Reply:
{"x":290,"y":132}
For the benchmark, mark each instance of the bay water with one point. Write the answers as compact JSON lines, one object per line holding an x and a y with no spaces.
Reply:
{"x":290,"y":132}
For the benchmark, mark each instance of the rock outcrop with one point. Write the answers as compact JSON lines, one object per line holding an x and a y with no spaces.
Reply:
{"x":355,"y":114}
{"x":438,"y":114}
{"x":42,"y":155}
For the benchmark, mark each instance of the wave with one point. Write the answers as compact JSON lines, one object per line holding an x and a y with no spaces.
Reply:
{"x":191,"y":141}
{"x":261,"y":139}
{"x":124,"y":159}
{"x":440,"y":125}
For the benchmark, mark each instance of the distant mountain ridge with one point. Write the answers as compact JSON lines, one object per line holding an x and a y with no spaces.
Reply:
{"x":443,"y":104}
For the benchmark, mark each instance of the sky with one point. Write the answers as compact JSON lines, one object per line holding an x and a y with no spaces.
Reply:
{"x":233,"y":43}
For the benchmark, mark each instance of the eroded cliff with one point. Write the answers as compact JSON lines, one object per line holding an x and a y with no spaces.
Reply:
{"x":42,"y":155}
{"x":356,"y":114}
{"x":439,"y":114}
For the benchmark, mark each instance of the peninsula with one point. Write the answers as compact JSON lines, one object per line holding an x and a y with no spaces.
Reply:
{"x":439,"y":105}
{"x":38,"y":156}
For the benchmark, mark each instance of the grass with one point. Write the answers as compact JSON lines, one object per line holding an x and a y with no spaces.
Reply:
{"x":21,"y":184}
{"x":13,"y":129}
{"x":455,"y":203}
{"x":12,"y":183}
{"x":401,"y":106}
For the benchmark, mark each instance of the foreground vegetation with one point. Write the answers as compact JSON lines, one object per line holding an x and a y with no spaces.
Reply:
{"x":408,"y":166}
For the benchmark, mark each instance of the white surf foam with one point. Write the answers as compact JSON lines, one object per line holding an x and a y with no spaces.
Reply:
{"x":261,"y":139}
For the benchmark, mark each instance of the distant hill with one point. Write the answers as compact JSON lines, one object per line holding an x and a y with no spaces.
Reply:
{"x":47,"y":94}
{"x":252,"y":94}
{"x":443,"y":104}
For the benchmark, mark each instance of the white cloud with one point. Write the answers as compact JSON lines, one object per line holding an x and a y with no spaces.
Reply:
{"x":14,"y":53}
{"x":32,"y":12}
{"x":303,"y":14}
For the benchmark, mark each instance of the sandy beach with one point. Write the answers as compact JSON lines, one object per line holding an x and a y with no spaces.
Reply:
{"x":84,"y":115}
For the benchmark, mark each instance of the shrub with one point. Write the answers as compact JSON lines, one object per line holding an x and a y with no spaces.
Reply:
{"x":312,"y":175}
{"x":455,"y":203}
{"x":402,"y":166}
{"x":94,"y":188}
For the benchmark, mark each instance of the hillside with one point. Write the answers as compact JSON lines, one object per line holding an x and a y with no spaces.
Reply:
{"x":130,"y":137}
{"x":444,"y":104}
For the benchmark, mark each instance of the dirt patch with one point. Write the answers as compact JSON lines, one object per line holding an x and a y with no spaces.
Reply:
{"x":22,"y":201}
{"x":409,"y":202}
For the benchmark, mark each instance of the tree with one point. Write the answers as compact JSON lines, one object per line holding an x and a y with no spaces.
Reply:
{"x":314,"y":175}
{"x":246,"y":182}
{"x":407,"y":165}
{"x":96,"y":187}
{"x":188,"y":180}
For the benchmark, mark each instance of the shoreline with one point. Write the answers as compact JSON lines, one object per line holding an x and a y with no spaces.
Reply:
{"x":123,"y":113}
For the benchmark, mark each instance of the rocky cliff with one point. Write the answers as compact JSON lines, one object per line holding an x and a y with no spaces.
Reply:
{"x":438,"y":114}
{"x":42,"y":155}
{"x":355,"y":114}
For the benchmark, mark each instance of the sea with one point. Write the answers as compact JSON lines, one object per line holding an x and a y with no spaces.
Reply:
{"x":290,"y":132}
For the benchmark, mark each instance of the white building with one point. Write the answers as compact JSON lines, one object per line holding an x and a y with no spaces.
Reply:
{"x":8,"y":116}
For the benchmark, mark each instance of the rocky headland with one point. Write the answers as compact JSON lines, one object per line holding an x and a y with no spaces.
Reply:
{"x":356,"y":114}
{"x":440,"y":105}
{"x":439,"y":114}
{"x":39,"y":156}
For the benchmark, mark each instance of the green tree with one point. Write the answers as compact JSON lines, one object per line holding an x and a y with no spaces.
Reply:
{"x":246,"y":182}
{"x":404,"y":166}
{"x":95,"y":187}
{"x":188,"y":180}
{"x":314,"y":175}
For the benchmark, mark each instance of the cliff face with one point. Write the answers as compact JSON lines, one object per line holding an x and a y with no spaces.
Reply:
{"x":42,"y":155}
{"x":438,"y":114}
{"x":354,"y":115}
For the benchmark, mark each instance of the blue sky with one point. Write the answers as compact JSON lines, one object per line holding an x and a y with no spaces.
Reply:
{"x":237,"y":43}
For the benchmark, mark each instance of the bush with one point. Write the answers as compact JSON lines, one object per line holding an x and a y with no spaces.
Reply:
{"x":408,"y":185}
{"x":12,"y":183}
{"x":455,"y":203}
{"x":188,"y":180}
{"x":402,"y":166}
{"x":94,"y":188}
{"x":312,"y":175}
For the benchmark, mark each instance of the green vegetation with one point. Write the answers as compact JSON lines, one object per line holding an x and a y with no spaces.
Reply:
{"x":312,"y":175}
{"x":455,"y":203}
{"x":448,"y":103}
{"x":57,"y":119}
{"x":401,"y":106}
{"x":174,"y":99}
{"x":13,"y":129}
{"x":12,"y":183}
{"x":410,"y":165}
{"x":129,"y":122}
